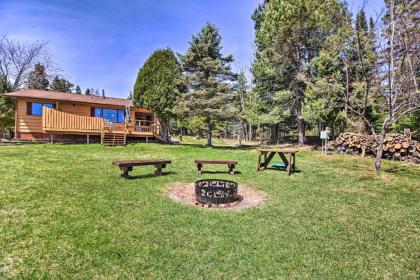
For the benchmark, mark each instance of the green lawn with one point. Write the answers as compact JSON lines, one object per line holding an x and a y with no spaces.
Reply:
{"x":66,"y":213}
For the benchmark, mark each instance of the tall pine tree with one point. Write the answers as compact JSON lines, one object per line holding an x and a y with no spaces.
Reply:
{"x":7,"y":105}
{"x":289,"y":34}
{"x":38,"y":78}
{"x":61,"y":85}
{"x":208,"y":75}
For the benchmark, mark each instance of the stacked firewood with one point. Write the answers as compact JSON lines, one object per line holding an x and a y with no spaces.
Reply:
{"x":396,"y":146}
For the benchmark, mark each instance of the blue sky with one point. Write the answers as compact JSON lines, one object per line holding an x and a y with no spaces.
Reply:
{"x":103,"y":43}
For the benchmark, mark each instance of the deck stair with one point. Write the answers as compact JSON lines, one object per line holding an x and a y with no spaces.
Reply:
{"x":110,"y":137}
{"x":113,"y":139}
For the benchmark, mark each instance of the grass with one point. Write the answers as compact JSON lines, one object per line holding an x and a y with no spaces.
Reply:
{"x":66,"y":213}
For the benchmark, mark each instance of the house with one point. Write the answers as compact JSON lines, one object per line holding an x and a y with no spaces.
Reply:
{"x":69,"y":117}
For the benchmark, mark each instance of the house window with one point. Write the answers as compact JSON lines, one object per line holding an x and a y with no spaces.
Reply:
{"x":121,"y":115}
{"x":111,"y":115}
{"x":35,"y":109}
{"x":98,"y":113}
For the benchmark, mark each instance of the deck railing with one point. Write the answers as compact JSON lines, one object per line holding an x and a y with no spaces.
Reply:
{"x":142,"y":126}
{"x":57,"y":121}
{"x":114,"y":127}
{"x":53,"y":120}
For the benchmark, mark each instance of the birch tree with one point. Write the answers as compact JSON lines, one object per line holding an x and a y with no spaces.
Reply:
{"x":396,"y":91}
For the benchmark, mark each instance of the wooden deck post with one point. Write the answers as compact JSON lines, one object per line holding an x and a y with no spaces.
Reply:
{"x":87,"y":139}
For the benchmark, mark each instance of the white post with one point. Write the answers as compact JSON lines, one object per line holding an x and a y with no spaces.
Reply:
{"x":87,"y":139}
{"x":52,"y":139}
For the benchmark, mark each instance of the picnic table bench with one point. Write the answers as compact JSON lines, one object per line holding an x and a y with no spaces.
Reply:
{"x":127,"y":165}
{"x":230,"y":163}
{"x":268,"y":154}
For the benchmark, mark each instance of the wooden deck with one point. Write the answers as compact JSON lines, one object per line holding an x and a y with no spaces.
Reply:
{"x":54,"y":121}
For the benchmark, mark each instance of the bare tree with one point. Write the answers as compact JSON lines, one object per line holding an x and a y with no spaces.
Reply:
{"x":17,"y":60}
{"x":396,"y":90}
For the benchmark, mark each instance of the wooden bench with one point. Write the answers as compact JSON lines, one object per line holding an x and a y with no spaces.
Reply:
{"x":127,"y":165}
{"x":230,"y":163}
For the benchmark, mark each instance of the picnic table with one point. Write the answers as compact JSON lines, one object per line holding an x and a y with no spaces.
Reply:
{"x":127,"y":165}
{"x":288,"y":156}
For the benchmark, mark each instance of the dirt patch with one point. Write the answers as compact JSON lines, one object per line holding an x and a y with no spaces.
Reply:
{"x":184,"y":193}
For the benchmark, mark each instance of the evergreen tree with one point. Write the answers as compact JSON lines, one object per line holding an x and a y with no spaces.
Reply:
{"x":363,"y":67}
{"x":38,"y":78}
{"x":78,"y":90}
{"x":361,"y":23}
{"x":412,"y":122}
{"x":103,"y":93}
{"x":159,"y":85}
{"x":130,"y":96}
{"x":87,"y":92}
{"x":208,"y":76}
{"x":289,"y":34}
{"x":6,"y":105}
{"x":61,"y":85}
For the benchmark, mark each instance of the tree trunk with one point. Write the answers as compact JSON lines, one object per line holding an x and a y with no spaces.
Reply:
{"x":244,"y":131}
{"x":300,"y":120}
{"x":209,"y":133}
{"x":380,"y":150}
{"x":250,"y":134}
{"x":301,"y":131}
{"x":273,"y":134}
{"x":165,"y":131}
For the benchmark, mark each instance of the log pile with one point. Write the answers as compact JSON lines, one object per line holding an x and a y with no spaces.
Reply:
{"x":396,"y":146}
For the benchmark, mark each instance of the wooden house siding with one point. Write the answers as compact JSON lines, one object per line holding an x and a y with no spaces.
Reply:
{"x":74,"y":108}
{"x":28,"y":123}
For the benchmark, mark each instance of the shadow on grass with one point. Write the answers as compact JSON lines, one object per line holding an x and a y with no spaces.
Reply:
{"x":297,"y":170}
{"x":402,"y":170}
{"x":243,"y":147}
{"x":220,"y":172}
{"x":149,"y":175}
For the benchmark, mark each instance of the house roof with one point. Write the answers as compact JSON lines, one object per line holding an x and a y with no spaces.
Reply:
{"x":71,"y":97}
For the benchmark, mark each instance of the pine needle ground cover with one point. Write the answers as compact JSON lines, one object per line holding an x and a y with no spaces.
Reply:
{"x":65,"y":212}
